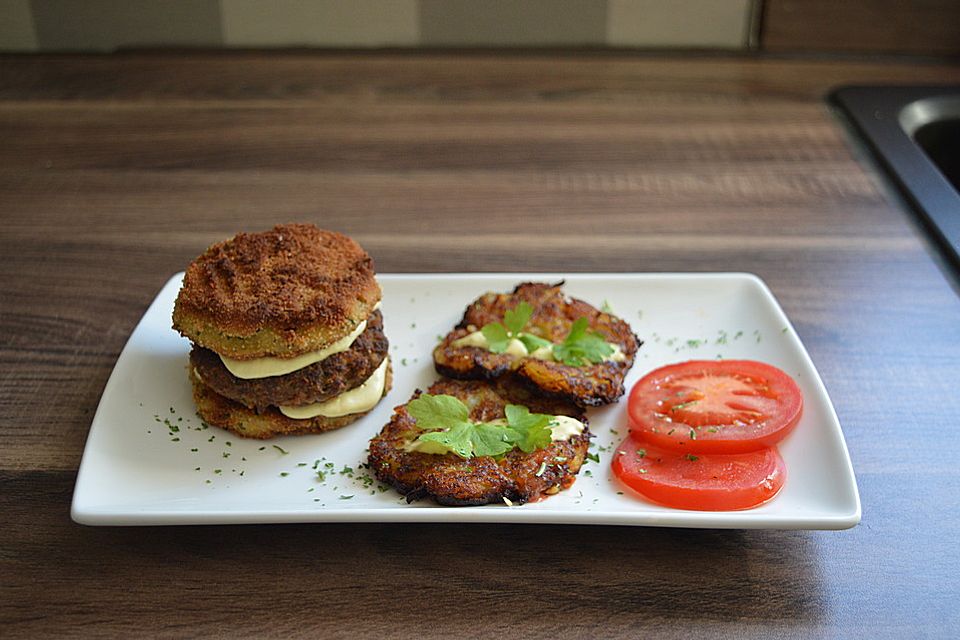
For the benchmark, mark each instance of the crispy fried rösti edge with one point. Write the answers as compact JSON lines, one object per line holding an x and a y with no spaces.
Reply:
{"x":451,"y":480}
{"x":315,"y":383}
{"x":283,"y":292}
{"x":553,"y":315}
{"x":247,"y":423}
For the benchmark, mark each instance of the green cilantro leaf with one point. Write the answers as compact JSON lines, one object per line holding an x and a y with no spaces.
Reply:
{"x":532,"y":342}
{"x":581,"y":347}
{"x":457,"y":432}
{"x":457,"y":439}
{"x":498,"y":339}
{"x":467,"y":439}
{"x":438,"y":412}
{"x":492,"y":439}
{"x":516,"y":319}
{"x":533,"y":429}
{"x":499,"y":335}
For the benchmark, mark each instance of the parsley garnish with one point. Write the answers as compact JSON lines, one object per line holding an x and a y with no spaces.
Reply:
{"x":499,"y":334}
{"x":581,"y":347}
{"x":466,"y":438}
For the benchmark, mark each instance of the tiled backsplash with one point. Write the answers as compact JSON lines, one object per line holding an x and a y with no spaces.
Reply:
{"x":105,"y":25}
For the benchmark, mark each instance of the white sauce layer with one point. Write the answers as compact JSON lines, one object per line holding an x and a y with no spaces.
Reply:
{"x":518,"y":349}
{"x":269,"y":367}
{"x":357,"y":400}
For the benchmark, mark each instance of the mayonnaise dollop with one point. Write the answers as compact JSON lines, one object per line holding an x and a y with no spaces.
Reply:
{"x":518,"y":349}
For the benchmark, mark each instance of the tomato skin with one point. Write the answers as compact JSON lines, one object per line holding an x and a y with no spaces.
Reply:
{"x":715,"y":406}
{"x":709,"y":482}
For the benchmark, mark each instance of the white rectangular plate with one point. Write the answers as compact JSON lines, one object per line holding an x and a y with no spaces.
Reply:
{"x":150,"y":460}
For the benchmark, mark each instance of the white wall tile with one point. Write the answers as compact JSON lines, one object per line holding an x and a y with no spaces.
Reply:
{"x":17,"y":32}
{"x":678,"y":23}
{"x":330,"y":23}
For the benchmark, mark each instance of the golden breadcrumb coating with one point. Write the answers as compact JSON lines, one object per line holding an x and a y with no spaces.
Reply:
{"x":280,"y":293}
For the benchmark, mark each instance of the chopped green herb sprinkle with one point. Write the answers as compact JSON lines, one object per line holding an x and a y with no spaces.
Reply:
{"x":281,"y":450}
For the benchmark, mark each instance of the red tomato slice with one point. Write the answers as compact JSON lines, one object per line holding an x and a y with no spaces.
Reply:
{"x":704,"y":482}
{"x":715,"y":406}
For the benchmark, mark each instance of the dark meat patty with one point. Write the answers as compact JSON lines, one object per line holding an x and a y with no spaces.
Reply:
{"x":553,"y":315}
{"x":318,"y":382}
{"x":233,"y":416}
{"x":452,"y":480}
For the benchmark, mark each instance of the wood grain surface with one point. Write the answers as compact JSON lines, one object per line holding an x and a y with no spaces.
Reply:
{"x":116,"y":171}
{"x":926,"y":27}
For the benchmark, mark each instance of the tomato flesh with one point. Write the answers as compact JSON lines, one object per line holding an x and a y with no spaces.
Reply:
{"x":715,"y":406}
{"x":703,"y":482}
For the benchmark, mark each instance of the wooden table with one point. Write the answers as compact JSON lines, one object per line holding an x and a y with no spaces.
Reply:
{"x":116,"y":171}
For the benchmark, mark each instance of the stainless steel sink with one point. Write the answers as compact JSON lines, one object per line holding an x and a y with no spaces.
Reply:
{"x":914,"y":134}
